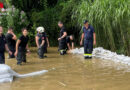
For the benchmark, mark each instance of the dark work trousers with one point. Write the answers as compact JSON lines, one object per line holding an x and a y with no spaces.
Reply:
{"x":21,"y":57}
{"x":88,"y":48}
{"x":2,"y":58}
{"x":45,"y":48}
{"x":41,"y":51}
{"x":12,"y":49}
{"x":62,"y":46}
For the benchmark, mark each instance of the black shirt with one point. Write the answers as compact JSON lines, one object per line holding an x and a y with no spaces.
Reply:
{"x":68,"y":39}
{"x":62,"y":33}
{"x":42,"y":37}
{"x":10,"y":42}
{"x":45,"y":38}
{"x":24,"y":41}
{"x":2,"y":43}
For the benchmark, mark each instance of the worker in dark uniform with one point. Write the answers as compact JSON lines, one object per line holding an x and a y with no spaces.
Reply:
{"x":62,"y":38}
{"x":11,"y":41}
{"x":3,"y":46}
{"x":41,"y":42}
{"x":22,"y":47}
{"x":70,"y":42}
{"x":47,"y":42}
{"x":89,"y":37}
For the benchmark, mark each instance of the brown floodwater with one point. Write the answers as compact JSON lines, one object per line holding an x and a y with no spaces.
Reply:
{"x":71,"y":72}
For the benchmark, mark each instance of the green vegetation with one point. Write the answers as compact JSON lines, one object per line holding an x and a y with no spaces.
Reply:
{"x":110,"y":18}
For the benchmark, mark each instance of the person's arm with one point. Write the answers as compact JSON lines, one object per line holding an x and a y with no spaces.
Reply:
{"x":64,"y":35}
{"x":27,"y":48}
{"x":48,"y":42}
{"x":17,"y":45}
{"x":82,"y":37}
{"x":7,"y":49}
{"x":36,"y":39}
{"x":14,"y":36}
{"x":43,"y":42}
{"x":68,"y":46}
{"x":94,"y":36}
{"x":72,"y":45}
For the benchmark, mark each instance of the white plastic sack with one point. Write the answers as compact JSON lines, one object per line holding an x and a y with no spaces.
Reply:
{"x":7,"y":74}
{"x":99,"y":52}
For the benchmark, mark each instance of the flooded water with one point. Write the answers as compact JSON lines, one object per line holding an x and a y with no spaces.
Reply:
{"x":71,"y":72}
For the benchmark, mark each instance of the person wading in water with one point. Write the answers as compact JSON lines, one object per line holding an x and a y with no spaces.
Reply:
{"x":62,"y":38}
{"x":11,"y":41}
{"x":22,"y":47}
{"x":89,"y":37}
{"x":41,"y":42}
{"x":3,"y":46}
{"x":70,"y":42}
{"x":47,"y":42}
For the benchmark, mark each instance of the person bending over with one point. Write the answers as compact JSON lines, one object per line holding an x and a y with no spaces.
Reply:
{"x":70,"y":42}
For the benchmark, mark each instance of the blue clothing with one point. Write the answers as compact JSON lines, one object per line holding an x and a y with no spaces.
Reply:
{"x":88,"y":39}
{"x":88,"y":33}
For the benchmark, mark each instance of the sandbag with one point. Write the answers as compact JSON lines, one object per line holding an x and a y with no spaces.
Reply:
{"x":99,"y":52}
{"x":7,"y":74}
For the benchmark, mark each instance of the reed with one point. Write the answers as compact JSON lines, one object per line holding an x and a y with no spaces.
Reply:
{"x":111,"y":20}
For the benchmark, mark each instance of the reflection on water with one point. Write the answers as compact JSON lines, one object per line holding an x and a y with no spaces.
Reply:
{"x":72,"y":73}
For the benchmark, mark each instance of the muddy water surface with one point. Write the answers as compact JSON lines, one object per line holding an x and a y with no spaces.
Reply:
{"x":71,"y":72}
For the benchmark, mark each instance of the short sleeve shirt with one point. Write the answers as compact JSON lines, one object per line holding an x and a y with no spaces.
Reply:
{"x":41,"y":37}
{"x":10,"y":41}
{"x":24,"y":41}
{"x":62,"y":32}
{"x":68,"y":39}
{"x":88,"y":33}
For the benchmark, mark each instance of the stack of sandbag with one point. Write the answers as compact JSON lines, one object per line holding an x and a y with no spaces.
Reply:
{"x":77,"y":51}
{"x":99,"y":52}
{"x":106,"y":54}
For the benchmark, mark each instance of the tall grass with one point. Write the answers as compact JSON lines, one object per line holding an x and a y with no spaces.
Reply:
{"x":111,"y":20}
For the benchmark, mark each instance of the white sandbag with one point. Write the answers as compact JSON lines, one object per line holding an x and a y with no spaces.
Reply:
{"x":7,"y":74}
{"x":99,"y":52}
{"x":4,"y":69}
{"x":4,"y":80}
